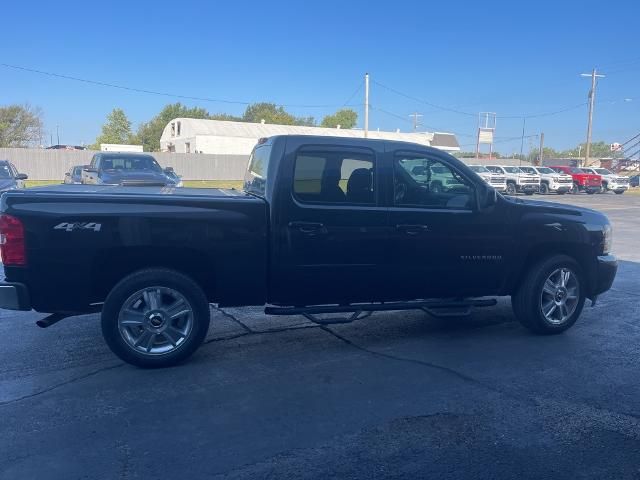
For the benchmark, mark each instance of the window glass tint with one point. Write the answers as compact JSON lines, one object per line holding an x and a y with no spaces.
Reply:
{"x":146,"y":163}
{"x":256,"y":176}
{"x":495,"y":169}
{"x":333,"y":177}
{"x":602,"y":171}
{"x":420,"y":181}
{"x":545,"y":170}
{"x":528,"y":170}
{"x":5,"y":171}
{"x":479,"y":169}
{"x":512,"y":169}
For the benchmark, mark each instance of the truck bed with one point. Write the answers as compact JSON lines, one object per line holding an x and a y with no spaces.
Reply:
{"x":79,"y":232}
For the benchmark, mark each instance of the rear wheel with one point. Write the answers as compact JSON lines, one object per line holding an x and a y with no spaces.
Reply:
{"x":551,"y":296}
{"x":155,"y":318}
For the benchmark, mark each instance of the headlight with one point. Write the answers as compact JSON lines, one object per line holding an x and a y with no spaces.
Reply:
{"x":607,"y":238}
{"x":556,"y":179}
{"x":179,"y":184}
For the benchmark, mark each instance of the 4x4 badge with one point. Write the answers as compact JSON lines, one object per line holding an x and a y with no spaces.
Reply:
{"x":72,"y":227}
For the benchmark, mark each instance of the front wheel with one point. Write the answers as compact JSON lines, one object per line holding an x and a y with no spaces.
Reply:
{"x":619,"y":192}
{"x":155,"y":318}
{"x":591,"y":192}
{"x":511,"y":188}
{"x":551,"y":296}
{"x":544,"y":189}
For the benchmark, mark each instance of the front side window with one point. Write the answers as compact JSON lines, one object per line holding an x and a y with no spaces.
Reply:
{"x":528,"y":170}
{"x":479,"y":169}
{"x":334,"y":177}
{"x":495,"y":169}
{"x":424,"y":182}
{"x":5,"y":171}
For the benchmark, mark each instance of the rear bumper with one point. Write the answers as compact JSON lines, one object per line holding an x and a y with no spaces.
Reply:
{"x":606,"y":269}
{"x":14,"y":296}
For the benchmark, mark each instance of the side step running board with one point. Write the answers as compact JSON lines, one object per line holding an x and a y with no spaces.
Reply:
{"x":430,"y":306}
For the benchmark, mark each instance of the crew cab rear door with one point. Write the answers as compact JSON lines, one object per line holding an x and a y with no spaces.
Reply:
{"x":331,"y":225}
{"x":440,"y":244}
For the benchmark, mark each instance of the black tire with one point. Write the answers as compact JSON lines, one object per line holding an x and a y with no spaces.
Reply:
{"x":591,"y":192}
{"x":529,"y":192}
{"x":527,"y":301}
{"x":561,"y":192}
{"x":576,"y":189}
{"x":511,"y":188}
{"x":619,"y":192}
{"x":544,"y":189}
{"x":171,"y":280}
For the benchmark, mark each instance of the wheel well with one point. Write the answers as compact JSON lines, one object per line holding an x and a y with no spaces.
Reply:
{"x":113,"y":265}
{"x":540,"y":252}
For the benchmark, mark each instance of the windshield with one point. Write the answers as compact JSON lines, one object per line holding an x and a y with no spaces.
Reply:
{"x":141,"y":163}
{"x":479,"y":169}
{"x":576,"y":170}
{"x":528,"y":170}
{"x":545,"y":170}
{"x":512,"y":169}
{"x":603,"y":171}
{"x":5,"y":172}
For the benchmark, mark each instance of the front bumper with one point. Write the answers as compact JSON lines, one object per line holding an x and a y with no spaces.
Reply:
{"x":14,"y":296}
{"x":606,"y":269}
{"x":560,"y":187}
{"x":529,"y":187}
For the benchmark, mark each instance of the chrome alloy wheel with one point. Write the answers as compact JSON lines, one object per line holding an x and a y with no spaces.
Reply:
{"x":560,"y":296}
{"x":155,"y":320}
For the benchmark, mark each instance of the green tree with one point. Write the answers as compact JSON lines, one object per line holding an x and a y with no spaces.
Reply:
{"x":149,"y":133}
{"x":117,"y":130}
{"x":271,"y":113}
{"x":20,"y":125}
{"x":598,"y":150}
{"x":346,"y":118}
{"x":547,"y":153}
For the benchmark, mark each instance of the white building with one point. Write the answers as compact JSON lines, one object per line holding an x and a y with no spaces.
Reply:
{"x":191,"y":135}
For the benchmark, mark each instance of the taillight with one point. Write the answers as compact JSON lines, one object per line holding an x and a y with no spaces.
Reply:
{"x":12,"y":245}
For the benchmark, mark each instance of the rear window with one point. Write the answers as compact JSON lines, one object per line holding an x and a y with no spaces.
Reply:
{"x":256,"y":177}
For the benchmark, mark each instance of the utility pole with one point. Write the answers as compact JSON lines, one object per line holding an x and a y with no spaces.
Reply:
{"x":592,"y":96}
{"x":366,"y":105}
{"x":416,"y":123}
{"x":540,"y":155}
{"x":58,"y":134}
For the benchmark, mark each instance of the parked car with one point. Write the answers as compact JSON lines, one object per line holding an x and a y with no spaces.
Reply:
{"x":74,"y":175}
{"x":324,"y":225}
{"x":610,"y":181}
{"x":127,"y":169}
{"x":517,"y":180}
{"x":436,"y":178}
{"x":497,"y":181}
{"x":10,"y":179}
{"x":582,"y":182}
{"x":634,"y":181}
{"x":551,"y":181}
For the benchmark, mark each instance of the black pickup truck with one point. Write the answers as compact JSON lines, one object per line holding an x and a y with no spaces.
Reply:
{"x":324,"y":225}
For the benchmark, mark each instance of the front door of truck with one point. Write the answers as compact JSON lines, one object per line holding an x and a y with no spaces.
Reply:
{"x":440,"y":244}
{"x":331,"y":239}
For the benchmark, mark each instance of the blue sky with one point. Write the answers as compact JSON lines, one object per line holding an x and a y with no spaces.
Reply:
{"x":509,"y":57}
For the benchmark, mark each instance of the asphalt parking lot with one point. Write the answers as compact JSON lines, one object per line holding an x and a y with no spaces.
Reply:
{"x":398,"y":395}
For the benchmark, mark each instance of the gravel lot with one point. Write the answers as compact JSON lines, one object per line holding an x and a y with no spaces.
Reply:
{"x":398,"y":395}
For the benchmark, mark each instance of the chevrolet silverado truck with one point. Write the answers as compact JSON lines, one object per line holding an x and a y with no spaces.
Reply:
{"x":128,"y":169}
{"x":323,"y":226}
{"x":551,"y":181}
{"x":582,"y":182}
{"x":610,"y":181}
{"x":497,"y":181}
{"x":517,"y":180}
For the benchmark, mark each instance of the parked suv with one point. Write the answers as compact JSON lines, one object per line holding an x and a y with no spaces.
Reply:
{"x":517,"y":180}
{"x":582,"y":182}
{"x":550,"y":180}
{"x":74,"y":175}
{"x":10,"y":179}
{"x":610,"y":181}
{"x":497,"y":181}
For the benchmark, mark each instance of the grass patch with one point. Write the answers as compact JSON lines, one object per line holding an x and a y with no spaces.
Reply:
{"x":237,"y":184}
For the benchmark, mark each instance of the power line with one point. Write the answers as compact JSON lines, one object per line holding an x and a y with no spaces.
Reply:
{"x":153,"y":92}
{"x":356,"y":91}
{"x":405,"y":119}
{"x":470,"y":114}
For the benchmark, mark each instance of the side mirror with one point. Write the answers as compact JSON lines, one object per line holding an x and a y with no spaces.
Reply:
{"x":22,"y":176}
{"x":487,"y":198}
{"x":90,"y":170}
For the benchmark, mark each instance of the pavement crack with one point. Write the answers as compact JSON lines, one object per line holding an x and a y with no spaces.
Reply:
{"x":435,"y":366}
{"x":260,"y":332}
{"x":233,"y":318}
{"x":61,"y":384}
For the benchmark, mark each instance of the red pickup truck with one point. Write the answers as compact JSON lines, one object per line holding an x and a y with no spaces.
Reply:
{"x":582,"y":182}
